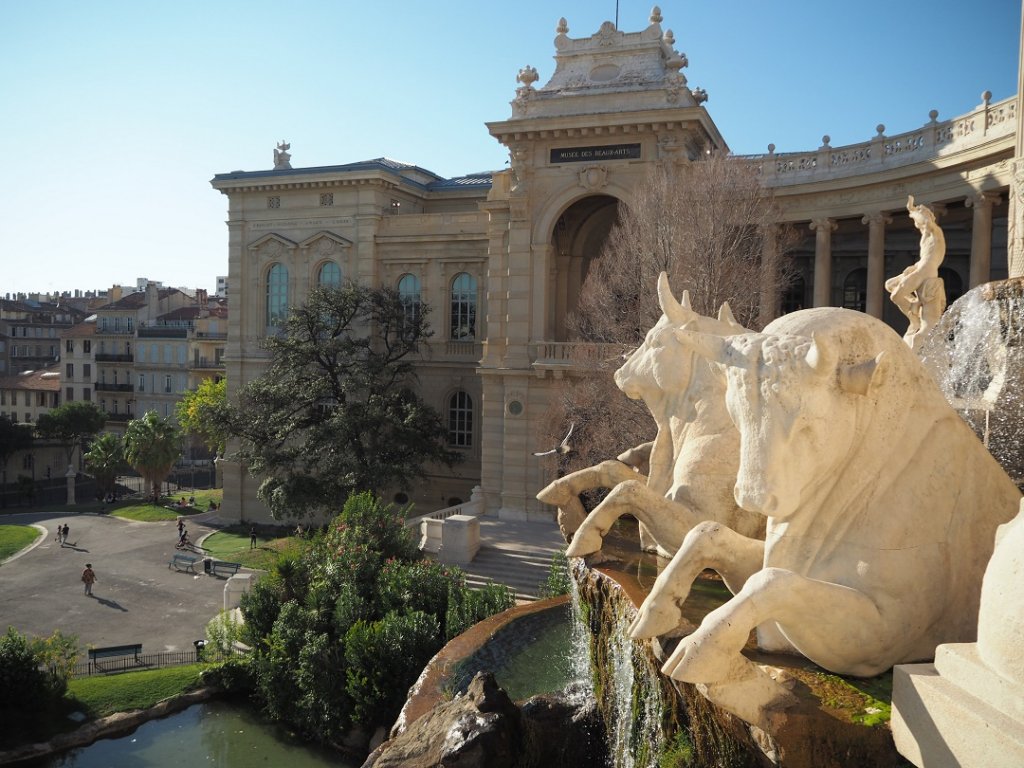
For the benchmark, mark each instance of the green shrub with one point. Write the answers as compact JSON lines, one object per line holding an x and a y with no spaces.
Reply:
{"x":33,"y":677}
{"x":420,"y":586}
{"x":260,"y":608}
{"x":468,"y":606}
{"x":234,"y":675}
{"x":558,"y":580}
{"x":384,"y":658}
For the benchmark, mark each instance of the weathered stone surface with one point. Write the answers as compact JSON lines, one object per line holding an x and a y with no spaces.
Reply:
{"x":477,"y":730}
{"x":563,"y":729}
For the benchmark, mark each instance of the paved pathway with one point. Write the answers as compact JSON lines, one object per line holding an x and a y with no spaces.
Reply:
{"x":136,"y":599}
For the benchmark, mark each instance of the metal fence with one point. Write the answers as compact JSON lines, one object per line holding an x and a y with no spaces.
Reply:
{"x":131,"y":663}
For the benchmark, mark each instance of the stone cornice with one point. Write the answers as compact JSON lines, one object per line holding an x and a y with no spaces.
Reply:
{"x":606,"y":125}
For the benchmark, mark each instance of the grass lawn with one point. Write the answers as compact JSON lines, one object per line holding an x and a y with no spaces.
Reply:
{"x":148,"y":512}
{"x":232,"y":544}
{"x":14,"y":538}
{"x":101,"y":695}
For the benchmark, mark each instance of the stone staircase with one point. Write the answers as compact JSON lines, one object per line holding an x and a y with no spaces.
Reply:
{"x":514,"y":553}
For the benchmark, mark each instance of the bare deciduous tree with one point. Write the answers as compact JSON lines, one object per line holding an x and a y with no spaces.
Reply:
{"x":711,"y":226}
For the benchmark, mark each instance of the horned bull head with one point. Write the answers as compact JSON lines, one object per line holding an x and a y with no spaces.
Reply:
{"x":793,"y":431}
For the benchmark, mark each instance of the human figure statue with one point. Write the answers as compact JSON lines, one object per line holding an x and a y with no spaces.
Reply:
{"x":281,"y":156}
{"x":918,"y":291}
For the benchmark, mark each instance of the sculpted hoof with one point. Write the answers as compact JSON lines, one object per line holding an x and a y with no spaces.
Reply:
{"x":584,"y":542}
{"x":697,"y":660}
{"x":654,"y":621}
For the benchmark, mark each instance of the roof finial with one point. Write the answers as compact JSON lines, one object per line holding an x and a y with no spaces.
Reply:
{"x":563,"y":27}
{"x":656,"y":17}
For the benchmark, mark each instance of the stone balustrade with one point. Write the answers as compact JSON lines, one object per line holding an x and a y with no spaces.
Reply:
{"x":988,"y":122}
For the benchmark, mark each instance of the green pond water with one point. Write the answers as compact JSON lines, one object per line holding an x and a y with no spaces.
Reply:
{"x":211,"y":734}
{"x":529,"y":656}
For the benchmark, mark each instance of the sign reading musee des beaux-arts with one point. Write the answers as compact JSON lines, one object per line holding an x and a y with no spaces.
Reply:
{"x":608,"y":152}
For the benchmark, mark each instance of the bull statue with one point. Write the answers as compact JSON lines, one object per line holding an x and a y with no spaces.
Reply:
{"x":881,"y":507}
{"x":692,"y":461}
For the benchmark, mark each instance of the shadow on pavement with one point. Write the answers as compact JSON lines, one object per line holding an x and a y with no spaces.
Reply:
{"x":109,"y":603}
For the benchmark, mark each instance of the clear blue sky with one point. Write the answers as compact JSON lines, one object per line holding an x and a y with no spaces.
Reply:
{"x":117,"y":114}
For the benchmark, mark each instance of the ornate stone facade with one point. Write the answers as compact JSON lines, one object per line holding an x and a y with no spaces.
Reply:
{"x":501,"y":257}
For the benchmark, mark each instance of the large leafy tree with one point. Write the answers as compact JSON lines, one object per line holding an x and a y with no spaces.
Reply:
{"x":152,"y":445}
{"x":336,"y":411}
{"x":71,"y":424}
{"x":198,"y":413}
{"x":105,"y":458}
{"x":13,"y":438}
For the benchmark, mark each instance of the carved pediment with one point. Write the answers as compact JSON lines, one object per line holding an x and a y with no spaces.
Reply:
{"x":325,"y":243}
{"x":272,"y":245}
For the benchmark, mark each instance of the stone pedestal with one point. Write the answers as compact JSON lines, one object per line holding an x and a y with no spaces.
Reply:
{"x":460,"y":540}
{"x":235,"y":587}
{"x":430,"y":535}
{"x":967,"y":709}
{"x":956,"y":712}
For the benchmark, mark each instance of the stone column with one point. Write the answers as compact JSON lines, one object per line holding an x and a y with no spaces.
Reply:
{"x":876,"y":222}
{"x":769,"y":307}
{"x":823,"y":229}
{"x":981,"y":236}
{"x":1015,"y":241}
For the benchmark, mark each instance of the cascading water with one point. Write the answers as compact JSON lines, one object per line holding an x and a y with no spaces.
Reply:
{"x":627,"y":686}
{"x":976,"y":354}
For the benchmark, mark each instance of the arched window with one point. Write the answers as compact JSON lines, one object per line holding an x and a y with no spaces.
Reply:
{"x":330,"y":276}
{"x":277,"y":296}
{"x":460,"y":420}
{"x":462,"y":318}
{"x":855,"y":290}
{"x":409,"y":294}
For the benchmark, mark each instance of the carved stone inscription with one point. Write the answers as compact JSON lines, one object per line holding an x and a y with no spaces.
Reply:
{"x":585,"y":154}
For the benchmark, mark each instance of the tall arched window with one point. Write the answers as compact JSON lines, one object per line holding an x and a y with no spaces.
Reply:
{"x":462,"y":316}
{"x":460,"y":420}
{"x":409,"y":294}
{"x":277,"y":296}
{"x":953,"y":284}
{"x":330,"y":276}
{"x":855,"y":290}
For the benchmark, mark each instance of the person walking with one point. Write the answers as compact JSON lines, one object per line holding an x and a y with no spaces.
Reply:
{"x":252,"y":537}
{"x":64,"y":534}
{"x":88,"y":578}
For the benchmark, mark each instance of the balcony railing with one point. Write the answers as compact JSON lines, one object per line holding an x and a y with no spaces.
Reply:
{"x":988,"y":122}
{"x":104,"y":357}
{"x":114,"y":388}
{"x":120,"y":417}
{"x":211,"y":335}
{"x":204,"y":362}
{"x":576,"y":355}
{"x":158,"y":332}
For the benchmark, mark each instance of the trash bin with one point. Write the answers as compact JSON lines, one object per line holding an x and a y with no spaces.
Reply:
{"x":200,"y":645}
{"x":207,"y":564}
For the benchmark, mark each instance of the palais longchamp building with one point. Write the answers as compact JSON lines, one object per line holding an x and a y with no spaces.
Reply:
{"x":500,"y":257}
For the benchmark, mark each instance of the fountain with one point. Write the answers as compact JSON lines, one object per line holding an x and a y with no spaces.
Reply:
{"x":976,"y":354}
{"x":919,"y":500}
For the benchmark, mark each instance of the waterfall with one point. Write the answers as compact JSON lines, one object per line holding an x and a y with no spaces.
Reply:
{"x":627,"y":684}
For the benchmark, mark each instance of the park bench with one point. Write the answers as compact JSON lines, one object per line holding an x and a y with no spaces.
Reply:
{"x":133,"y":649}
{"x":183,"y":562}
{"x":219,"y":567}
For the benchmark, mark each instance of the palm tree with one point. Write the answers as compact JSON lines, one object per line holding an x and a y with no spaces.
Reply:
{"x":105,"y":458}
{"x":152,"y":446}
